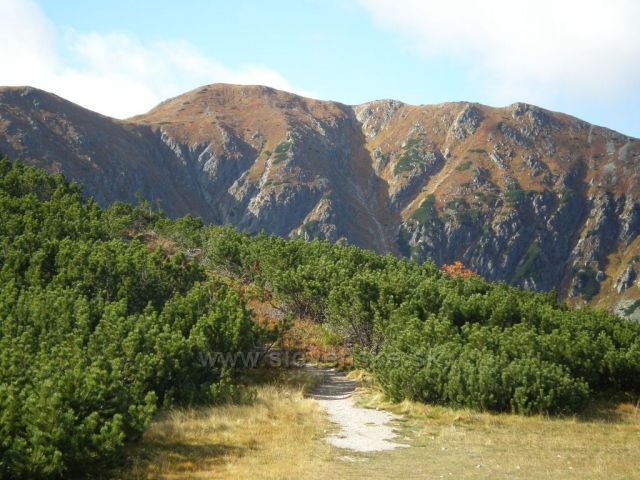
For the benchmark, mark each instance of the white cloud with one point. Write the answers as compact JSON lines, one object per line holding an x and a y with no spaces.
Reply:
{"x":534,"y":50}
{"x":114,"y":74}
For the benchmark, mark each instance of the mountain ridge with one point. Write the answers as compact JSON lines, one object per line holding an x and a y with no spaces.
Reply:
{"x":519,"y":193}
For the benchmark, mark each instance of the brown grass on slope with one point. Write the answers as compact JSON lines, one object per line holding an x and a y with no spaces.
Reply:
{"x":280,"y":437}
{"x":276,"y":436}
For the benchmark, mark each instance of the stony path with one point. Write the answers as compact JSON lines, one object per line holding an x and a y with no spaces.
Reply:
{"x":361,"y":429}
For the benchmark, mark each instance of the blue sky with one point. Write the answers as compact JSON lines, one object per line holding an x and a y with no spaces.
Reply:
{"x":122,"y":57}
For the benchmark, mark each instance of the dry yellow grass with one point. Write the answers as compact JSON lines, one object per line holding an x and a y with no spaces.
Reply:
{"x":276,"y":436}
{"x":280,"y":437}
{"x":461,"y":444}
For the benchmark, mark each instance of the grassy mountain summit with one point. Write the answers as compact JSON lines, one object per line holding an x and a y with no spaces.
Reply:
{"x":520,"y":194}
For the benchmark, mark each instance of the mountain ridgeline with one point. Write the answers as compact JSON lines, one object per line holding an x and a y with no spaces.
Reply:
{"x":520,"y":194}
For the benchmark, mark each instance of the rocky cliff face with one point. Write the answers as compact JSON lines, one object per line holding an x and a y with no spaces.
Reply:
{"x":521,"y":194}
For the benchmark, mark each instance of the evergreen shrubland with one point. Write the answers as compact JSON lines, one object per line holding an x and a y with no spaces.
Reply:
{"x":100,"y":326}
{"x":97,"y":329}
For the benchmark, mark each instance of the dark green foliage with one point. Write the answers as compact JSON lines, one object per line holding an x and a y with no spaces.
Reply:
{"x":503,"y":349}
{"x":464,"y":342}
{"x":281,"y":152}
{"x":426,"y":213}
{"x":283,"y":147}
{"x":528,"y":267}
{"x":566,"y":194}
{"x":470,"y":216}
{"x":488,"y":198}
{"x":460,"y":209}
{"x":96,"y":329}
{"x":513,"y":196}
{"x":404,"y":238}
{"x":458,"y":203}
{"x":464,"y":166}
{"x":478,"y":150}
{"x":409,"y":156}
{"x":187,"y":230}
{"x":589,"y":285}
{"x":312,"y":228}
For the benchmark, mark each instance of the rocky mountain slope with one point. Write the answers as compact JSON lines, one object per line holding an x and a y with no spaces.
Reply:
{"x":520,"y":194}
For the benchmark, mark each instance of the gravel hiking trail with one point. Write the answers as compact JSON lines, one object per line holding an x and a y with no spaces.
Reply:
{"x":361,"y":429}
